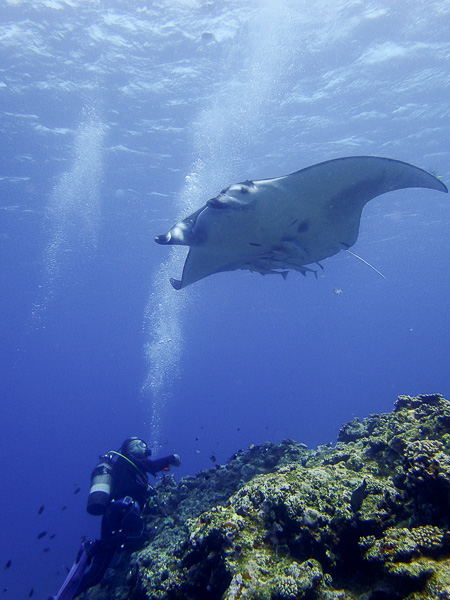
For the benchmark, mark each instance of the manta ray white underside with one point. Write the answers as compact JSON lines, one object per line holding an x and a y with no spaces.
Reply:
{"x":273,"y":225}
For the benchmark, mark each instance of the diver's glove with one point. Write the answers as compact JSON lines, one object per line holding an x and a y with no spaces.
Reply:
{"x":162,"y":464}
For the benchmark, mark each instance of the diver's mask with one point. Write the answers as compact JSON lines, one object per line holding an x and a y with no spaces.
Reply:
{"x":136,"y":448}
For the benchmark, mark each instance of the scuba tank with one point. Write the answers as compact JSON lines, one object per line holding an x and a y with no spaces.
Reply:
{"x":100,"y":492}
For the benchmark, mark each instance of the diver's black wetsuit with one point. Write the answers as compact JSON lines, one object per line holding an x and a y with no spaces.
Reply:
{"x":122,"y":525}
{"x":129,"y":480}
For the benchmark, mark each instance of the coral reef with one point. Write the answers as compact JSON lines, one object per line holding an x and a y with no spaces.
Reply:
{"x":367,"y":519}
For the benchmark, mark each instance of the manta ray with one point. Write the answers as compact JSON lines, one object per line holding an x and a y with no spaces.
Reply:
{"x":273,"y":225}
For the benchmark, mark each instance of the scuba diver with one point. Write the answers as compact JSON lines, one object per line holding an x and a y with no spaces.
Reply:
{"x":119,"y":492}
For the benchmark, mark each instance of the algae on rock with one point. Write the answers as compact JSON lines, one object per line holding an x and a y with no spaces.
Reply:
{"x":367,"y":519}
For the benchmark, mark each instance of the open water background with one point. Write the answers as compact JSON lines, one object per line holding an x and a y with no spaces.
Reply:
{"x":116,"y":119}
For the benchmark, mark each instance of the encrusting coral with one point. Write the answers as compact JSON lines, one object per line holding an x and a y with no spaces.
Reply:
{"x":367,"y":519}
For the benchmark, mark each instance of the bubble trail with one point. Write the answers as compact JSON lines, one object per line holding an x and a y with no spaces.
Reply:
{"x":224,"y":132}
{"x":73,"y":213}
{"x":163,"y":325}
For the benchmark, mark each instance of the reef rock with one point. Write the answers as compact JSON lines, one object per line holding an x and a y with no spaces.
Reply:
{"x":367,"y":519}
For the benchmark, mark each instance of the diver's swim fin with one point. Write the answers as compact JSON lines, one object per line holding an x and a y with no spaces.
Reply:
{"x":72,"y":581}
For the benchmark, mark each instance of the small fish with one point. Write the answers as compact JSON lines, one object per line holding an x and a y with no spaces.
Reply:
{"x":338,"y":291}
{"x":8,"y":564}
{"x":64,"y":507}
{"x":31,"y":593}
{"x":42,"y":534}
{"x":207,"y":36}
{"x":46,"y":549}
{"x":41,"y":508}
{"x":213,"y":458}
{"x":77,"y":490}
{"x":52,"y":536}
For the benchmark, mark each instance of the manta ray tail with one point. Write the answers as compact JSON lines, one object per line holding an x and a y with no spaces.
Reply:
{"x":365,"y":262}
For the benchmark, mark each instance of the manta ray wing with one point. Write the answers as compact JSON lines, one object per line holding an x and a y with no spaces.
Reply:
{"x":273,"y":225}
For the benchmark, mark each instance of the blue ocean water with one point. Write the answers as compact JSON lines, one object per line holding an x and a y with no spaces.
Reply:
{"x":119,"y":118}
